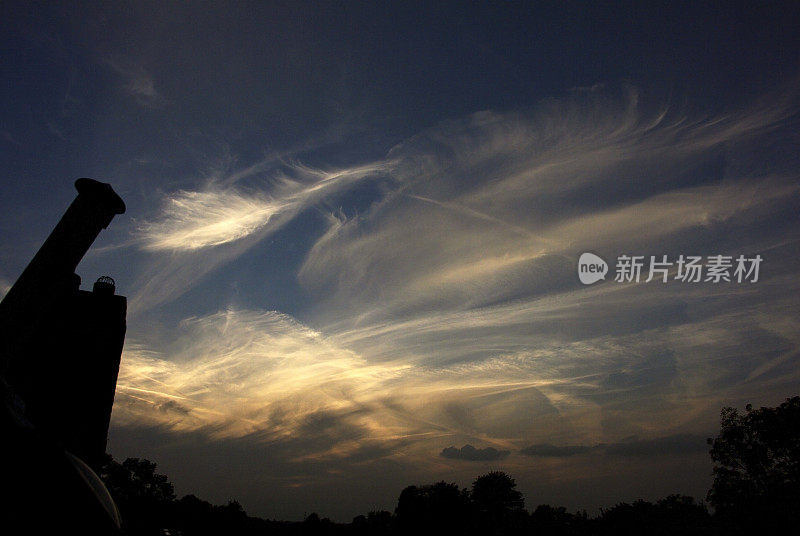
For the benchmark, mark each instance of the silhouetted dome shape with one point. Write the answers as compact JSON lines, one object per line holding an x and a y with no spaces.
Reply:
{"x":104,"y":285}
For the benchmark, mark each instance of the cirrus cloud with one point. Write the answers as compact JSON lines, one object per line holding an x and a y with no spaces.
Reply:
{"x":193,"y":220}
{"x":449,"y":311}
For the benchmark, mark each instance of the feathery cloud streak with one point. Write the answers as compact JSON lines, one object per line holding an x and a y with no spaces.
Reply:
{"x":450,"y":311}
{"x":471,"y":262}
{"x":242,"y":373}
{"x":195,"y":232}
{"x":193,"y":220}
{"x":486,"y":201}
{"x":222,"y":213}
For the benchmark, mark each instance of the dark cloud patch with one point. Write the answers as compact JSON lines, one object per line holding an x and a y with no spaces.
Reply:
{"x":370,"y":451}
{"x":494,"y":413}
{"x":678,"y":444}
{"x":323,"y":430}
{"x":661,"y":446}
{"x":593,"y":320}
{"x":172,"y":406}
{"x":546,"y":450}
{"x":747,"y":352}
{"x":632,"y":380}
{"x":470,"y":453}
{"x":650,"y":372}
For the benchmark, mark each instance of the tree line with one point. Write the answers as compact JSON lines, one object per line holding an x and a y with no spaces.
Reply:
{"x":756,"y":489}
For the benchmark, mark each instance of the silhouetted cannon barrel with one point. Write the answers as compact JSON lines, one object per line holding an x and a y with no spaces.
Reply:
{"x":90,"y":213}
{"x":60,"y":346}
{"x":60,"y":350}
{"x":52,"y":268}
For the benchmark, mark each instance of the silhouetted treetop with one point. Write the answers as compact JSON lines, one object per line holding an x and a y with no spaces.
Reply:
{"x":436,"y":505}
{"x":496,"y":492}
{"x":756,"y":491}
{"x":757,"y":464}
{"x":136,"y":478}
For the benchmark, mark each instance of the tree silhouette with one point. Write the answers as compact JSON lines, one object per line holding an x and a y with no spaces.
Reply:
{"x":439,"y":506}
{"x":756,"y":490}
{"x":498,"y":505}
{"x":757,"y":466}
{"x":627,"y":519}
{"x":675,"y":514}
{"x":680,"y":514}
{"x":196,"y":517}
{"x":143,"y":496}
{"x":136,"y":479}
{"x":547,"y":520}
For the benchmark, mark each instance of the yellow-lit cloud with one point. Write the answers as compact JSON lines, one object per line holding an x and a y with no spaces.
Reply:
{"x":239,"y":373}
{"x":193,"y":220}
{"x":222,"y":213}
{"x":195,"y":232}
{"x":449,"y":313}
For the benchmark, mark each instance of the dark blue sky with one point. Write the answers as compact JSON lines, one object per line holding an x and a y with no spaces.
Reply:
{"x":353,"y":229}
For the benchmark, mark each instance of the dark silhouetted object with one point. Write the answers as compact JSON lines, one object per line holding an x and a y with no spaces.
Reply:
{"x":60,"y":349}
{"x":547,"y":520}
{"x":498,"y":504}
{"x":144,"y":496}
{"x":437,"y":507}
{"x":675,"y":514}
{"x":757,"y":469}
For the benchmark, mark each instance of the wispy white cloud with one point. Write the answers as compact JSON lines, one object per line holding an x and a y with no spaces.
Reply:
{"x":264,"y":377}
{"x":196,"y":231}
{"x":486,"y":203}
{"x":449,"y":313}
{"x":137,"y":82}
{"x":218,"y":215}
{"x":471,"y":262}
{"x":193,"y":220}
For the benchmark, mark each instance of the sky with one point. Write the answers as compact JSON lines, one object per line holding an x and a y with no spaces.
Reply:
{"x":353,"y":230}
